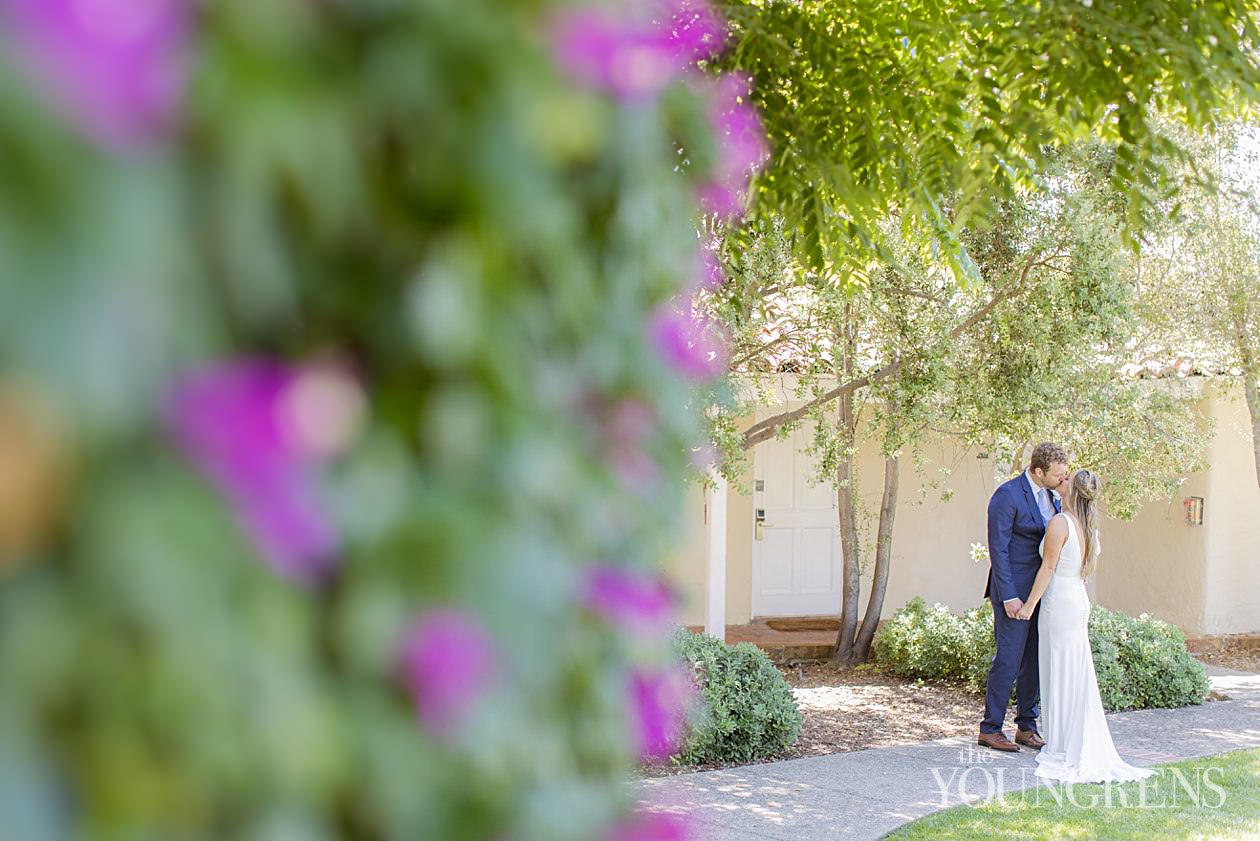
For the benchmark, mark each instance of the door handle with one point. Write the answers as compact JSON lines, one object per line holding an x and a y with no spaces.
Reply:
{"x":759,"y":519}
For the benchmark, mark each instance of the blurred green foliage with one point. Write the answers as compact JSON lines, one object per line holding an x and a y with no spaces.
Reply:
{"x":415,"y":191}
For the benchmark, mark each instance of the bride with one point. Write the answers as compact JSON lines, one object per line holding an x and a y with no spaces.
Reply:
{"x":1078,"y":746}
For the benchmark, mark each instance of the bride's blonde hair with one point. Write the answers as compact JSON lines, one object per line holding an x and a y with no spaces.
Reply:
{"x":1086,"y":488}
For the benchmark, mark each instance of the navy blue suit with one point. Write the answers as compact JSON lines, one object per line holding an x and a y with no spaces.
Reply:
{"x":1016,"y":527}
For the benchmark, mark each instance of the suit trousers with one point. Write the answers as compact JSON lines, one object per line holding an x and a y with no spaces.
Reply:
{"x":1014,"y":664}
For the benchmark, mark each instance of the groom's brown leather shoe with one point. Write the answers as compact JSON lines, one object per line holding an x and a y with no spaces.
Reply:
{"x":997,"y":741}
{"x":1031,"y":738}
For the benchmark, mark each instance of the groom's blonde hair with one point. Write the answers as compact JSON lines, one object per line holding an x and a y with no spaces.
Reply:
{"x":1046,"y":454}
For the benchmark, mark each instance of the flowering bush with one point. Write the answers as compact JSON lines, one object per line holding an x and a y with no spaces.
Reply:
{"x":348,"y":382}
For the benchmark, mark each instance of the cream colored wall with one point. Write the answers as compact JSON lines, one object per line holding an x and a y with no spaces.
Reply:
{"x":1231,"y":518}
{"x":932,"y":536}
{"x":685,"y":567}
{"x":1155,"y":563}
{"x":1204,"y":579}
{"x":739,"y":549}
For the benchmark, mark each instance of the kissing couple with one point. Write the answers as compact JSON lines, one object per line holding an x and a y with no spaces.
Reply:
{"x":1043,"y":545}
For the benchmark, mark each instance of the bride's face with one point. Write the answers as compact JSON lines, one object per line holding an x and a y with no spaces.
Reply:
{"x":1066,"y":489}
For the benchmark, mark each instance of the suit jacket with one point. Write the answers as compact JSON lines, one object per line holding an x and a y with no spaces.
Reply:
{"x":1015,"y":532}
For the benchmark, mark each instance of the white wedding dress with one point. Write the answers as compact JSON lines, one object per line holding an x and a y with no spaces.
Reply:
{"x":1078,"y":742}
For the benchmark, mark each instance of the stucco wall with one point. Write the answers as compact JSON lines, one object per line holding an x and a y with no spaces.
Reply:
{"x":1204,"y":579}
{"x":932,"y":535}
{"x":1231,"y":518}
{"x":1156,"y":563}
{"x":739,"y":544}
{"x":685,"y":567}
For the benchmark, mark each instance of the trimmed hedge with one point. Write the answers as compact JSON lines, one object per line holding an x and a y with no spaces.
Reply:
{"x":748,"y":711}
{"x":1141,"y":662}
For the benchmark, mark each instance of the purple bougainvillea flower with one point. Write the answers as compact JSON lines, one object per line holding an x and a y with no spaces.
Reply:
{"x":114,"y":67}
{"x":246,"y":425}
{"x":738,"y":122}
{"x":660,"y":701}
{"x":695,"y":31}
{"x":654,"y":826}
{"x":448,"y":662}
{"x":630,"y":59}
{"x":693,"y":346}
{"x":635,"y":601}
{"x":721,"y":199}
{"x":742,"y":147}
{"x":635,"y":52}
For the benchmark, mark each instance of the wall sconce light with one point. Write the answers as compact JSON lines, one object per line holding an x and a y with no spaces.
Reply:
{"x":1194,"y":510}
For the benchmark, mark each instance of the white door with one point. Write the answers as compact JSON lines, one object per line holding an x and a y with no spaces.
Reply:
{"x":796,"y":552}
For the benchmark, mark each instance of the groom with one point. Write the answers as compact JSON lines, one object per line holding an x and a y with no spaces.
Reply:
{"x":1018,"y":513}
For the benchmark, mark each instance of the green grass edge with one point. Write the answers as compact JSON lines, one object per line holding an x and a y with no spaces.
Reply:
{"x":1231,"y":812}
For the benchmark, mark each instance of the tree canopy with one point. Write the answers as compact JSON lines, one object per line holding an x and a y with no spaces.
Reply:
{"x":1198,"y":276}
{"x":938,"y":111}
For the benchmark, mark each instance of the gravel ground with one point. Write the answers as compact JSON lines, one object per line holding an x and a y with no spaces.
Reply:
{"x":856,"y":709}
{"x":1241,"y":659}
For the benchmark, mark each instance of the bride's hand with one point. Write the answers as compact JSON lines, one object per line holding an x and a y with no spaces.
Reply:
{"x":1025,"y":612}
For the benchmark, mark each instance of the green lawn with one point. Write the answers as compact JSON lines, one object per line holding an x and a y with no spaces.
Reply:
{"x":1212,"y":797}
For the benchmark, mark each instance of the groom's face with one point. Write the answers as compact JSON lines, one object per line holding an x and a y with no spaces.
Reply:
{"x":1052,"y":478}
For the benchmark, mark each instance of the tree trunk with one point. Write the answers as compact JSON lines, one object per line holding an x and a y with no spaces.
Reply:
{"x":1251,"y":384}
{"x":883,"y":558}
{"x":846,"y":504}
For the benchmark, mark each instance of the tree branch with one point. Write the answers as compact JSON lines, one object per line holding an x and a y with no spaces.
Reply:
{"x":762,"y":348}
{"x":765,"y":429}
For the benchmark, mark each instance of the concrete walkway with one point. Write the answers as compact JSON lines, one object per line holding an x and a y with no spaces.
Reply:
{"x":866,"y":794}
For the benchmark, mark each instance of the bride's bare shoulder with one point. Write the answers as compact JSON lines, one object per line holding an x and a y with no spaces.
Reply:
{"x":1064,"y":517}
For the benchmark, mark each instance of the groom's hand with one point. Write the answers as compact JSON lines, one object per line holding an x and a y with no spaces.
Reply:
{"x":1012,"y":608}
